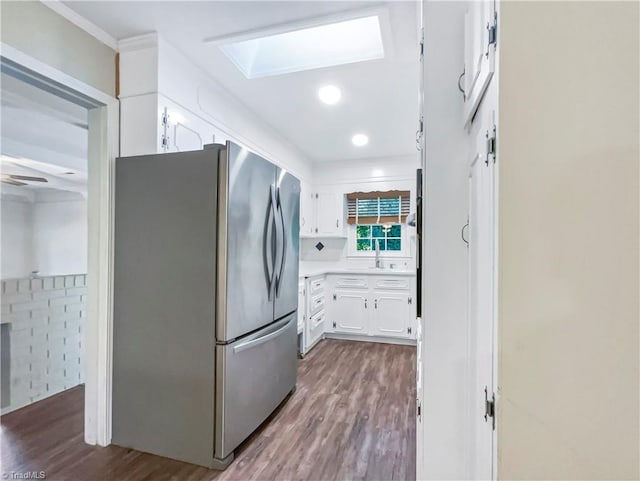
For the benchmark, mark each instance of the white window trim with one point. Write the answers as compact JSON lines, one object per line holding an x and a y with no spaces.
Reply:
{"x":404,"y":253}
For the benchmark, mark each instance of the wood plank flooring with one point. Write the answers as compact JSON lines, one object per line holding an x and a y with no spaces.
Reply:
{"x":351,"y":418}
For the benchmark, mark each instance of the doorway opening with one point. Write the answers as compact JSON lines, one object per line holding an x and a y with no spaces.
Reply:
{"x":43,"y":269}
{"x":61,"y":238}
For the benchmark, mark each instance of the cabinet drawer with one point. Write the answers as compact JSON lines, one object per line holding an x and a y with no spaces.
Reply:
{"x":316,"y":327}
{"x":395,"y":283}
{"x":317,"y":303}
{"x":352,"y":282}
{"x":316,"y":319}
{"x":316,"y":286}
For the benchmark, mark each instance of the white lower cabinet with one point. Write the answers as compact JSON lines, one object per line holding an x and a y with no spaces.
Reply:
{"x":314,"y":311}
{"x":391,"y":315}
{"x":348,"y":312}
{"x":379,"y":306}
{"x":362,"y":306}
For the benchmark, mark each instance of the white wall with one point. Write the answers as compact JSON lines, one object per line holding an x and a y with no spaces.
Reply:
{"x":48,"y":237}
{"x":396,"y":173}
{"x":445,"y":424}
{"x":16,"y":231}
{"x":60,"y":237}
{"x":568,"y":149}
{"x":155,"y":75}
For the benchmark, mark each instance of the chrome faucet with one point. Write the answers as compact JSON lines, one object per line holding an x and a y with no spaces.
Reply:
{"x":378,"y":260}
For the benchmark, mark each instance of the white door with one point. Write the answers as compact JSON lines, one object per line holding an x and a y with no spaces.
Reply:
{"x":349,"y":312}
{"x":481,"y":303}
{"x":479,"y":53}
{"x":391,"y":315}
{"x":328,"y":210}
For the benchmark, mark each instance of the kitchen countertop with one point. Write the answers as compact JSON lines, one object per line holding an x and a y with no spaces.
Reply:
{"x":359,"y":271}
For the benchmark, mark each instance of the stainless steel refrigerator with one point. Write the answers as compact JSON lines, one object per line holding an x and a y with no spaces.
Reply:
{"x":205,"y":298}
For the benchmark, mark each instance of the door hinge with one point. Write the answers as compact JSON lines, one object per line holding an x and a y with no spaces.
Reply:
{"x":492,"y":32}
{"x":420,"y":134}
{"x":418,"y":408}
{"x":491,"y":146}
{"x":409,"y":330}
{"x":334,"y":297}
{"x":375,"y":303}
{"x":490,"y":408}
{"x":316,"y":196}
{"x":334,"y":324}
{"x":164,"y":121}
{"x":409,"y":300}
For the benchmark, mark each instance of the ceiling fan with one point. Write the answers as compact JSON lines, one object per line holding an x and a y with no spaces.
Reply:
{"x":17,"y":179}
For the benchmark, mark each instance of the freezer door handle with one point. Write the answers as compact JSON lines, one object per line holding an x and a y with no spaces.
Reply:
{"x":282,"y":245}
{"x":268,"y":247}
{"x":281,"y":327}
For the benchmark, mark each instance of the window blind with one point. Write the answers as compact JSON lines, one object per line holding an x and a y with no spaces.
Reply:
{"x":378,"y":207}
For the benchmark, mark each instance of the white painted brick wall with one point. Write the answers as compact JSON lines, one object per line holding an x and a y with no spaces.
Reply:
{"x":46,"y":318}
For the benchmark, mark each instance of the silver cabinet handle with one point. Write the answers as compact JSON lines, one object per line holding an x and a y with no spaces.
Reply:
{"x":365,"y":303}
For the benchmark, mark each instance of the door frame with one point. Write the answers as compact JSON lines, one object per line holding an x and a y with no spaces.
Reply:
{"x":103,"y":149}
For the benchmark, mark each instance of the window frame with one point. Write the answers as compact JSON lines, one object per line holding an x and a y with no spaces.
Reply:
{"x":352,"y":240}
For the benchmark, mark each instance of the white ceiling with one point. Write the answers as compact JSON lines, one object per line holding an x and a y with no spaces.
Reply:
{"x":379,"y":97}
{"x":41,"y":135}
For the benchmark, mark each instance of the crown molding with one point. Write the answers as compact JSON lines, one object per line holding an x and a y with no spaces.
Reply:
{"x":81,"y":22}
{"x":139,"y":42}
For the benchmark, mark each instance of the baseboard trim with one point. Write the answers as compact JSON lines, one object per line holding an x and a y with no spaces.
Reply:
{"x":381,"y":340}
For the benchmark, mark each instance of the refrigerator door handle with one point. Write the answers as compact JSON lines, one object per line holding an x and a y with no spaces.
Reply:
{"x":268,"y":247}
{"x":280,"y":328}
{"x":283,"y":245}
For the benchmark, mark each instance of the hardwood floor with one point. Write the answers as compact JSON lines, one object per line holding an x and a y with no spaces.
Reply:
{"x":351,"y":418}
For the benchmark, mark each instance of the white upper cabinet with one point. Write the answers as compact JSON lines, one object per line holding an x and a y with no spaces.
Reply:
{"x":330,"y":209}
{"x":322,"y":213}
{"x":480,"y":34}
{"x":307,"y":210}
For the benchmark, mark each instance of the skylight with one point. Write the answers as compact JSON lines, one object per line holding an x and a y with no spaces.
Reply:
{"x":310,"y":48}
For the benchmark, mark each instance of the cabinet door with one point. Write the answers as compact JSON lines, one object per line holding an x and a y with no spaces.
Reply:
{"x":349,"y":312}
{"x":307,"y":210}
{"x":479,"y":54}
{"x":391,"y":315}
{"x":330,"y":213}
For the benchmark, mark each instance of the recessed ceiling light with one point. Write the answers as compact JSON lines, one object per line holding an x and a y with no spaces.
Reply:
{"x":359,"y":140}
{"x":329,"y":94}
